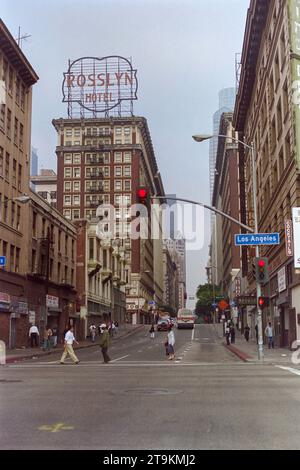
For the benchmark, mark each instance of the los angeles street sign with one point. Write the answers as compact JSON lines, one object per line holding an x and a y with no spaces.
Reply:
{"x":252,"y":239}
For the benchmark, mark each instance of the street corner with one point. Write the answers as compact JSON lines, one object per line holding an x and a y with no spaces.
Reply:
{"x":238,"y":352}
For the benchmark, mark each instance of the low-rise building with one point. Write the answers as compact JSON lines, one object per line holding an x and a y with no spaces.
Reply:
{"x":45,"y":184}
{"x":101,"y":277}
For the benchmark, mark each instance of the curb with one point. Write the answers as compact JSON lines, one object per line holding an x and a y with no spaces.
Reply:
{"x":240,"y":354}
{"x":12,"y":359}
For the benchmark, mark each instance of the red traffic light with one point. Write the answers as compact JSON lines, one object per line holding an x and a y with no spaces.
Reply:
{"x":263,"y":302}
{"x":142,"y":193}
{"x":261,"y":263}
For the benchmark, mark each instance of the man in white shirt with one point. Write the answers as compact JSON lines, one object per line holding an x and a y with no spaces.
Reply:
{"x":34,"y":336}
{"x":93,"y":332}
{"x":68,"y":349}
{"x":269,"y":335}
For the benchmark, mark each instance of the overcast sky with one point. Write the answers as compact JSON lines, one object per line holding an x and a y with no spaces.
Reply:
{"x":184,"y":52}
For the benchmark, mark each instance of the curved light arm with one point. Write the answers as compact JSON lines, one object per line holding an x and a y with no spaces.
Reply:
{"x":201,"y":138}
{"x":213,"y":209}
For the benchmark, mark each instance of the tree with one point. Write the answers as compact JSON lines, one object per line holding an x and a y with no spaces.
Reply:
{"x":206,"y":294}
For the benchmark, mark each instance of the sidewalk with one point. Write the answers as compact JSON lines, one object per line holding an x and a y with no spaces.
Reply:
{"x":248,"y":351}
{"x":15,"y":355}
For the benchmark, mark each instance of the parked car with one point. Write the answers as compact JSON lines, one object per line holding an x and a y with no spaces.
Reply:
{"x":162,"y":325}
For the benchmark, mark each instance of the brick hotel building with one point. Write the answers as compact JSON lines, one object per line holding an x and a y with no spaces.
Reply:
{"x":106,"y":160}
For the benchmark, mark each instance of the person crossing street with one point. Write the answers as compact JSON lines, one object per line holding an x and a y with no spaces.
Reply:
{"x":104,"y":343}
{"x":68,"y":348}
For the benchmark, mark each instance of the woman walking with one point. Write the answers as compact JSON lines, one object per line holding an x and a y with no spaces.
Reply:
{"x":246,"y":333}
{"x":152,"y":331}
{"x":171,"y":342}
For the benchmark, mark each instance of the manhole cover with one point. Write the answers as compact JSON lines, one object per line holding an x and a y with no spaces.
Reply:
{"x":9,"y":381}
{"x":152,"y":391}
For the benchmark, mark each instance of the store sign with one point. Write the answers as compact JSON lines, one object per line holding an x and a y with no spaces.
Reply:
{"x":19,"y":307}
{"x":244,"y":300}
{"x":52,"y":301}
{"x":294,"y":25}
{"x":4,"y":297}
{"x":281,"y":277}
{"x":4,"y":302}
{"x":237,"y":286}
{"x":296,"y":235}
{"x":288,"y":226}
{"x":99,"y":84}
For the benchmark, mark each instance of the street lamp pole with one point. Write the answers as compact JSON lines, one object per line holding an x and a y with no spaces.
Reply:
{"x":258,"y":286}
{"x":201,"y":138}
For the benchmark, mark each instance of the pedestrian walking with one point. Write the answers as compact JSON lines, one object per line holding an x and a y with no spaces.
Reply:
{"x":104,"y":343}
{"x":256,"y":333}
{"x":269,"y":335}
{"x":65,"y":332}
{"x":246,"y":333}
{"x":117,"y":326}
{"x":54,"y":336}
{"x":113,"y":329}
{"x":47,"y":336}
{"x":68,"y":346}
{"x":34,"y":336}
{"x":93,"y":332}
{"x":232,"y":334}
{"x":227,"y":335}
{"x":152,"y":331}
{"x":171,"y":342}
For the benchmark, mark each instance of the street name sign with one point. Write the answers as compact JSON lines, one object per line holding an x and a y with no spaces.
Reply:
{"x":2,"y":260}
{"x":251,"y":239}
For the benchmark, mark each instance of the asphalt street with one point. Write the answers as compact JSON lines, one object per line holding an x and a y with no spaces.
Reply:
{"x":205,"y":399}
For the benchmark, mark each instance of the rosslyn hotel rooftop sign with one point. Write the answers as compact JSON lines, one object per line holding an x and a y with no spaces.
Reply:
{"x":93,"y":86}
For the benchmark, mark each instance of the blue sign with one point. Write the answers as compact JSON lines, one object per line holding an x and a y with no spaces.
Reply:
{"x":250,"y":239}
{"x":2,"y":260}
{"x":214,"y":305}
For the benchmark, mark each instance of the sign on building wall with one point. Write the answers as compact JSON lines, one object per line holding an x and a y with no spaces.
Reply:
{"x":52,"y":301}
{"x":294,"y":24}
{"x":237,"y":288}
{"x":288,"y":225}
{"x":94,"y":85}
{"x":281,"y":278}
{"x":31,"y":317}
{"x":296,"y":236}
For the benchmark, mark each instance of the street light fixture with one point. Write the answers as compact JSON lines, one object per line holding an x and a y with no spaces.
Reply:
{"x":251,"y":147}
{"x":22,"y":199}
{"x":201,"y":138}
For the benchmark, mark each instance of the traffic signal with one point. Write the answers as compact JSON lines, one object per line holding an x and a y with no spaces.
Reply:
{"x":261,"y":270}
{"x":263,"y":302}
{"x":142,"y":195}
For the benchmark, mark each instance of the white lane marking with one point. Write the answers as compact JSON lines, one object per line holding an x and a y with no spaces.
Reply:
{"x":91,"y":364}
{"x":140,"y":351}
{"x":290,"y":369}
{"x":193,"y":334}
{"x":119,"y":358}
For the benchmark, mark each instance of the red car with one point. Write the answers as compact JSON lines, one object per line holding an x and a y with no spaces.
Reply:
{"x":162,"y":325}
